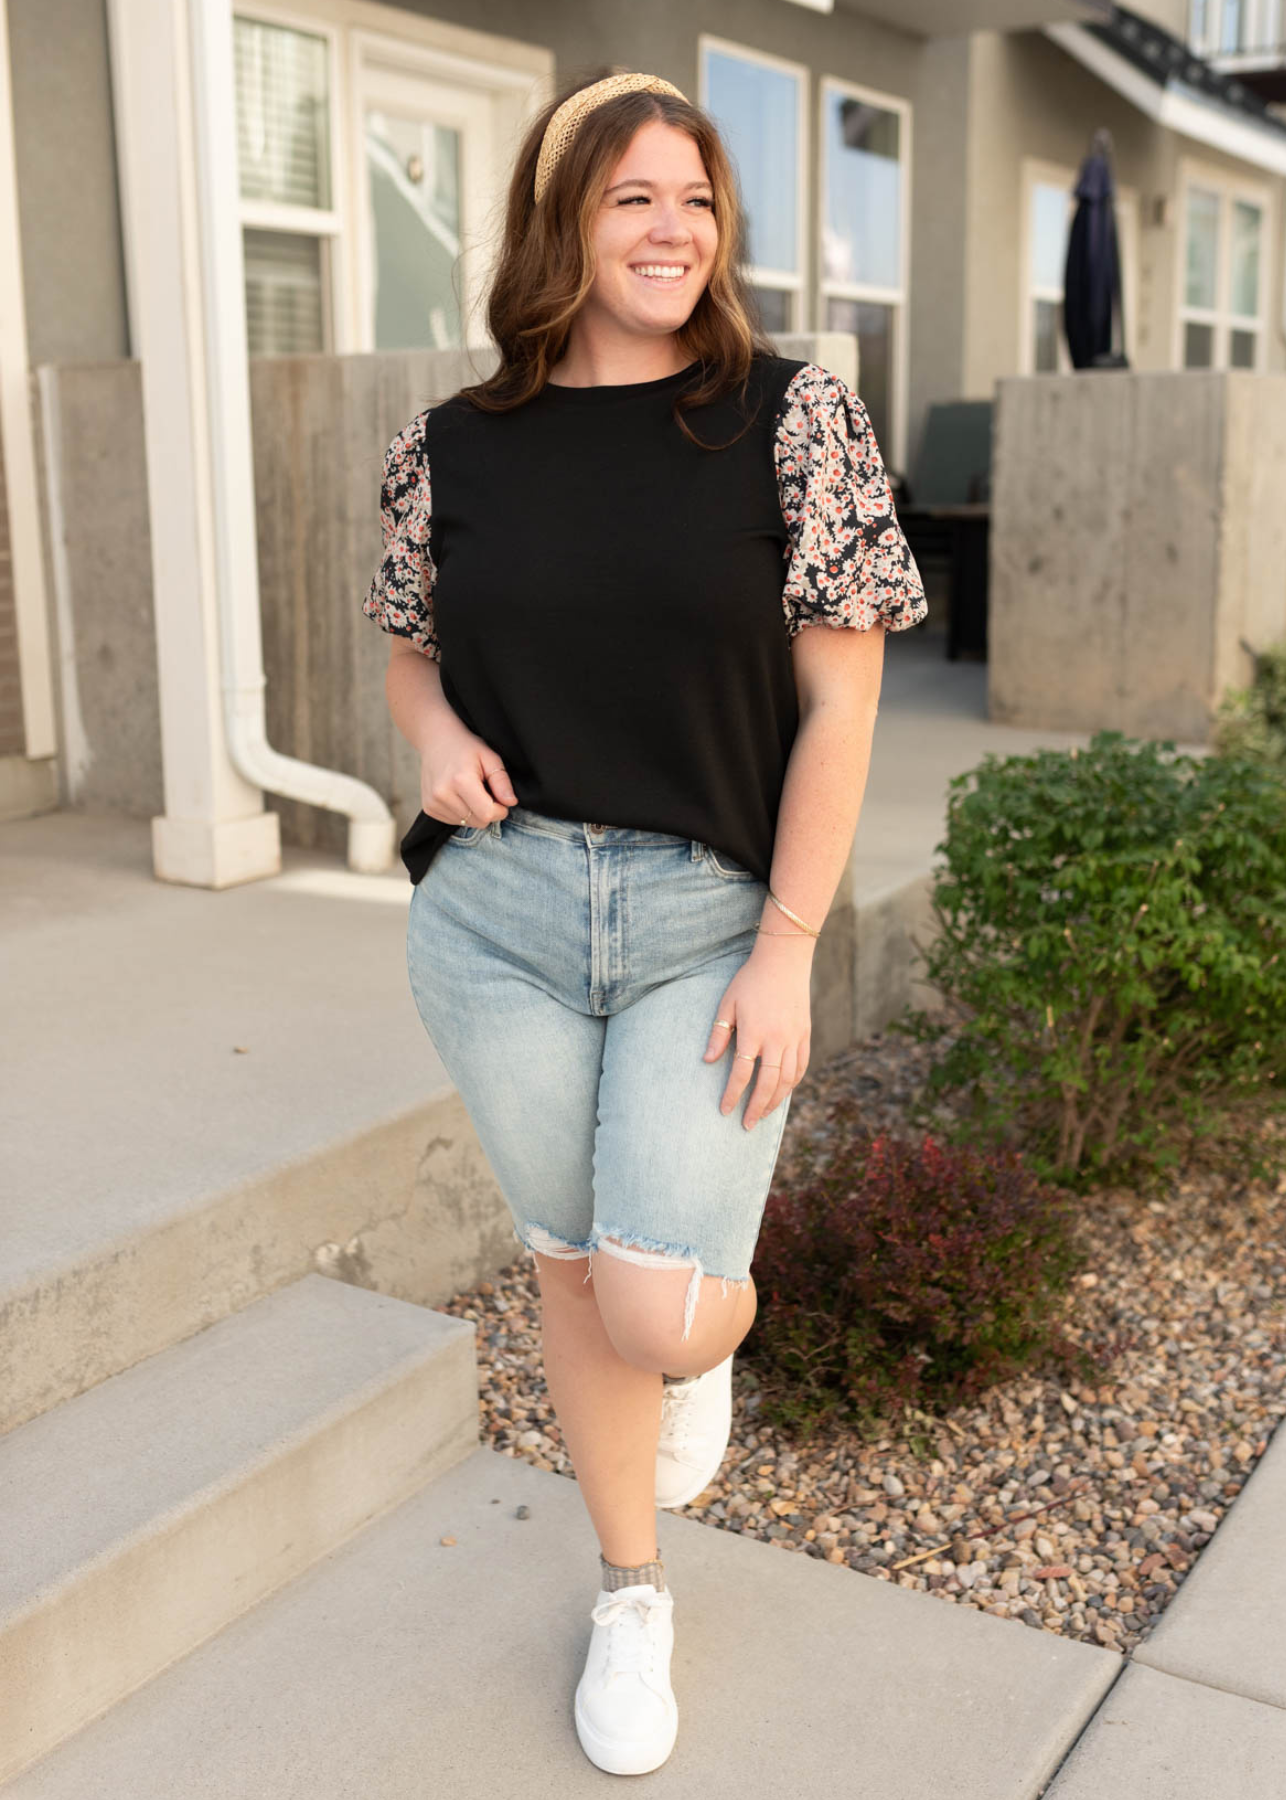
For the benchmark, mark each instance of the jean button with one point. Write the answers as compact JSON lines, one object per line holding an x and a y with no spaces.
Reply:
{"x":598,"y":827}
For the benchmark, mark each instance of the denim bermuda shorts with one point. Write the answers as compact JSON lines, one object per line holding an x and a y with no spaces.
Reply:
{"x":568,"y":975}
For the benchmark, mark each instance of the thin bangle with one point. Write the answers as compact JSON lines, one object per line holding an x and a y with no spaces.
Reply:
{"x":803,"y":923}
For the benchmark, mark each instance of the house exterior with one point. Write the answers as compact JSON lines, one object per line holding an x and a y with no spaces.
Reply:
{"x":907,"y":167}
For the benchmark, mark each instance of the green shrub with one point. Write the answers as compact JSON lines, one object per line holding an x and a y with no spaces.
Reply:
{"x":1251,"y":722}
{"x":904,"y":1274}
{"x":1110,"y":954}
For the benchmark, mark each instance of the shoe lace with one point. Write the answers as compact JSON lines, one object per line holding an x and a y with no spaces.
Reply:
{"x":631,"y":1647}
{"x":676,"y":1417}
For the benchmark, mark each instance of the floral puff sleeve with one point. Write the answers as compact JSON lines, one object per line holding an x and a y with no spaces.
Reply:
{"x":849,"y":563}
{"x":401,"y":594}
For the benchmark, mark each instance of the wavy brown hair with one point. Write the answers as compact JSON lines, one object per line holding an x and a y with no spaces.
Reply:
{"x":545,"y":267}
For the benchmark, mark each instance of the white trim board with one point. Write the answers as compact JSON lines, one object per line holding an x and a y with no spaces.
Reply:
{"x":1175,"y":106}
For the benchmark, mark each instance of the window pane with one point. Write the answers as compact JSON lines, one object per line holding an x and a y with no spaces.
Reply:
{"x":1203,"y":247}
{"x":774,"y":308}
{"x":284,"y":312}
{"x":873,"y":326}
{"x":757,"y":109}
{"x":1247,"y":232}
{"x":1199,"y":21}
{"x":1230,"y":21}
{"x":1242,"y":349}
{"x":862,"y":233}
{"x":1049,"y":320}
{"x":1050,"y":218}
{"x":283,"y":124}
{"x":413,"y":165}
{"x":1198,"y":346}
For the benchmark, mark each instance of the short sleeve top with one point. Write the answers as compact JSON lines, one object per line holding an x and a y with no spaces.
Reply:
{"x":612,"y":607}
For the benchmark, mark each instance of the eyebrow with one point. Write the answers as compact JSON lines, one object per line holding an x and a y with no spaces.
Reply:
{"x":638,"y":181}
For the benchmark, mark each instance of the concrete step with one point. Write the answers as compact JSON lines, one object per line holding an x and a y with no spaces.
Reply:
{"x":400,"y":1666}
{"x":142,"y":1516}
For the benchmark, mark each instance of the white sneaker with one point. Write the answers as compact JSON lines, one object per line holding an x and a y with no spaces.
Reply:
{"x":626,"y":1715}
{"x":696,"y":1419}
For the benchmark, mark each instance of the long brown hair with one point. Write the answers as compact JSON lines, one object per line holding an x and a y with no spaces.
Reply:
{"x":545,"y":267}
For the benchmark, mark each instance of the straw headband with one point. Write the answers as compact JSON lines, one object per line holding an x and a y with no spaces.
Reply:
{"x":562,"y":128}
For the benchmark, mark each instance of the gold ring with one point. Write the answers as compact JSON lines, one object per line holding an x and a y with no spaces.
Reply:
{"x":742,"y":1057}
{"x":727,"y":1022}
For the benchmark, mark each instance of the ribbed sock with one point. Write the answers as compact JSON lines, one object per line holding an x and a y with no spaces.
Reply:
{"x":618,"y":1575}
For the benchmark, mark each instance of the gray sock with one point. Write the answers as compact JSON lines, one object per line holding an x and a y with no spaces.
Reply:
{"x":619,"y":1575}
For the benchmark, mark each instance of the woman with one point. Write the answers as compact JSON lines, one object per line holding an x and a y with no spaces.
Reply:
{"x":640,"y":780}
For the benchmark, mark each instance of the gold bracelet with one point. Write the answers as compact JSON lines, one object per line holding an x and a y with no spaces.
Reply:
{"x":795,"y":916}
{"x":766,"y":933}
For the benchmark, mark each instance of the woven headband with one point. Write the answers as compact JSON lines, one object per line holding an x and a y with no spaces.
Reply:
{"x":562,"y":128}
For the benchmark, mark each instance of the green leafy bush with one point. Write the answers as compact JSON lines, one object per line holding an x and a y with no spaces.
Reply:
{"x":1251,"y":722}
{"x":1110,"y":955}
{"x":903,"y":1274}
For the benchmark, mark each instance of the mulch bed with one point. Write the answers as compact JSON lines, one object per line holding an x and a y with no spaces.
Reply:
{"x":1078,"y":1511}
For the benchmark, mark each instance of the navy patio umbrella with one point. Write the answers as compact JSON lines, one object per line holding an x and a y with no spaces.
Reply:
{"x":1092,"y":306}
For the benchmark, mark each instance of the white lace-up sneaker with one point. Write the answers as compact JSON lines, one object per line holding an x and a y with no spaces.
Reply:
{"x":696,"y":1418}
{"x":626,"y":1715}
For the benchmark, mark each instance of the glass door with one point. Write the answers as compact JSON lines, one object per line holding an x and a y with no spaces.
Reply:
{"x":426,"y":147}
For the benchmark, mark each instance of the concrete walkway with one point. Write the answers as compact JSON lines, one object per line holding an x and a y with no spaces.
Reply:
{"x":186,"y":1132}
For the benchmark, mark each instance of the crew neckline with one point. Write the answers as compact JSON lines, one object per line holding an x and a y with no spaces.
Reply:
{"x":611,"y":390}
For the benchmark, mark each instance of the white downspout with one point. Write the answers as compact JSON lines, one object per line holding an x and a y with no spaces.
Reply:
{"x":371,"y":828}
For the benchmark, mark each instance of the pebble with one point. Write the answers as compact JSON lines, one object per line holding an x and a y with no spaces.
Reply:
{"x":1141,"y":1464}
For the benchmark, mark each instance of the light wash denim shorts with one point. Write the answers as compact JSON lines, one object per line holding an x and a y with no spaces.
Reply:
{"x":568,"y":975}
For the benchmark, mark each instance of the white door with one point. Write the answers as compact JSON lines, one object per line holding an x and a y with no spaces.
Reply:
{"x":428,"y":156}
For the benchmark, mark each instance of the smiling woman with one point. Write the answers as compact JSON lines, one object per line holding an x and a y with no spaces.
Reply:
{"x":641,"y":770}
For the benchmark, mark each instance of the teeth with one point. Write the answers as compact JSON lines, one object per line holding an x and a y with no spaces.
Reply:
{"x":670,"y":274}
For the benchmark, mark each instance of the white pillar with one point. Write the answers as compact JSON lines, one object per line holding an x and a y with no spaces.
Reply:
{"x":214,"y":831}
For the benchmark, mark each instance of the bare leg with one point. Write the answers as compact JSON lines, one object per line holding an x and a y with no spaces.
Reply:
{"x":609,"y":1412}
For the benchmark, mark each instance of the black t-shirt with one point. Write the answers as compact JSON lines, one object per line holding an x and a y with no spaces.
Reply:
{"x":612,"y":606}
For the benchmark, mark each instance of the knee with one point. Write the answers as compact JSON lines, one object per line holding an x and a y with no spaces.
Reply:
{"x":669,"y":1317}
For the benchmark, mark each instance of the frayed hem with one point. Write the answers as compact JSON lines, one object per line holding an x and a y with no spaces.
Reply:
{"x":538,"y":1238}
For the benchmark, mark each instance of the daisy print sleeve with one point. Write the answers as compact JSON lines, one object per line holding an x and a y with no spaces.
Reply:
{"x":400,"y":599}
{"x":848,"y":562}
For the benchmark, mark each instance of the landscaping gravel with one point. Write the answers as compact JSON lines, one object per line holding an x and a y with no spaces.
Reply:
{"x":1075,"y":1510}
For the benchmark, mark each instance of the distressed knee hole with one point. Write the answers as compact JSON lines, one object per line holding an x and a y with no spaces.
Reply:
{"x":650,"y":1254}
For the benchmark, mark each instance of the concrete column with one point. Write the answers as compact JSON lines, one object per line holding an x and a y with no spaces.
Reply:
{"x":1138,"y":547}
{"x":214,"y":831}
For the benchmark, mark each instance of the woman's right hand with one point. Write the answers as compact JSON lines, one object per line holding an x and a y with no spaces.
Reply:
{"x":462,"y":777}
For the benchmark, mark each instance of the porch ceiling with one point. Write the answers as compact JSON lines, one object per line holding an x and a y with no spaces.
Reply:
{"x":941,"y":18}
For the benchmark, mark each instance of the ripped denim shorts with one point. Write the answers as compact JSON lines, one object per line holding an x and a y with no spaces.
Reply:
{"x":568,"y":975}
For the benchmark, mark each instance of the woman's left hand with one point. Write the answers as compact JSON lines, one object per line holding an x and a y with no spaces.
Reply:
{"x":767,"y":1005}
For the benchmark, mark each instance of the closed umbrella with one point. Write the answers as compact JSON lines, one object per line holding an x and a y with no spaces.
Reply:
{"x":1092,"y":309}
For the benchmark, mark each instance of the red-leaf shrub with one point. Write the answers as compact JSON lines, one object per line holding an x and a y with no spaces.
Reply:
{"x":908,"y":1273}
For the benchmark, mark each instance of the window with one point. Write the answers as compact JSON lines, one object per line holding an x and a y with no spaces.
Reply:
{"x":1221,"y":316}
{"x":1220,"y":28}
{"x":1049,"y":205}
{"x":866,"y":158}
{"x":286,"y":165}
{"x":759,"y":105}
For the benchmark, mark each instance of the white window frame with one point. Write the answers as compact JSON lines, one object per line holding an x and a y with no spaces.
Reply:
{"x":329,"y":224}
{"x":795,"y":284}
{"x":896,"y":298}
{"x":1059,"y":175}
{"x":1230,"y":188}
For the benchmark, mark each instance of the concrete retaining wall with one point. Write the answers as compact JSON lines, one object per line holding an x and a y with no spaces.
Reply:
{"x":1138,"y":545}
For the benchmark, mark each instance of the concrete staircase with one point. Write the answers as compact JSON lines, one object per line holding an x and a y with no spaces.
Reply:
{"x":144,"y":1515}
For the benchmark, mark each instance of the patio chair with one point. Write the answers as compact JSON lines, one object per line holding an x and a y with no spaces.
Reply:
{"x":945,"y":511}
